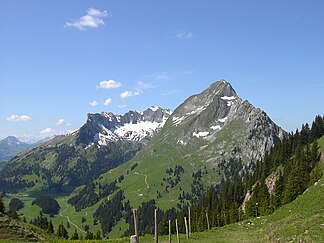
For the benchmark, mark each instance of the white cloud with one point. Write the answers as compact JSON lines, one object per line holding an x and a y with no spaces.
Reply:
{"x":93,"y":19}
{"x":93,"y":103}
{"x":121,"y":106}
{"x":108,"y":84}
{"x":184,"y":34}
{"x":142,"y":85}
{"x":128,"y":94}
{"x":97,"y":13}
{"x":60,"y":122}
{"x":108,"y":101}
{"x":18,"y":118}
{"x":46,"y":131}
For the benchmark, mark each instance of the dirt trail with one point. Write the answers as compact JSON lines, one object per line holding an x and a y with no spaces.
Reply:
{"x":68,"y":219}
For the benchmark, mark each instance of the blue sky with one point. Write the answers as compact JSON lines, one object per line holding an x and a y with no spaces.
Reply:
{"x":60,"y":60}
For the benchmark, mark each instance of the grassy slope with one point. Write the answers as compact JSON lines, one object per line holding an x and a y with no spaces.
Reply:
{"x":16,"y":231}
{"x":161,"y":154}
{"x":30,"y":212}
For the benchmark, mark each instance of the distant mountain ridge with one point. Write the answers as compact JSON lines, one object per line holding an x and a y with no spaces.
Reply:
{"x":10,"y":147}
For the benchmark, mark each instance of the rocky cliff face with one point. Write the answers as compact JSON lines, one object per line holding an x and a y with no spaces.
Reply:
{"x":134,"y":126}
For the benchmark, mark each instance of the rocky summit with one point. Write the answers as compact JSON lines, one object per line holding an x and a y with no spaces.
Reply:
{"x":228,"y":125}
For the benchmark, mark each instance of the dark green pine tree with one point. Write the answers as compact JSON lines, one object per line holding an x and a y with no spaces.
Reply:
{"x":277,"y":197}
{"x":50,"y":228}
{"x":250,"y":208}
{"x":75,"y":235}
{"x":315,"y":175}
{"x":233,"y":213}
{"x":89,"y":236}
{"x":317,"y":130}
{"x":315,"y":156}
{"x":298,"y":178}
{"x":62,"y":232}
{"x":98,"y":235}
{"x":259,"y":203}
{"x":2,"y":207}
{"x":14,"y":214}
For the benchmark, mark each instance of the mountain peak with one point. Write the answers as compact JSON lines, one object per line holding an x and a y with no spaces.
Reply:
{"x":11,"y":140}
{"x":10,"y":147}
{"x":218,"y":110}
{"x":222,"y":88}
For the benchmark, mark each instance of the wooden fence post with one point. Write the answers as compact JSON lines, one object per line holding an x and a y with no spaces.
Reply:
{"x":177,"y":229}
{"x":186,"y":225}
{"x":207,"y":220}
{"x":156,"y":226}
{"x":169,"y":231}
{"x":189,"y":221}
{"x":135,"y":213}
{"x":133,"y":239}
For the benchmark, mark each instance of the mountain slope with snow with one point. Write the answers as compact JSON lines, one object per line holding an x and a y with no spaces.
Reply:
{"x":100,"y":129}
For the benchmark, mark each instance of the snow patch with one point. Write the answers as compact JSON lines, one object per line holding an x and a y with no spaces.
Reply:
{"x":223,"y":119}
{"x":198,"y":110}
{"x":107,"y":115}
{"x":169,"y":112}
{"x":104,"y":138}
{"x":181,"y":142}
{"x":88,"y":146}
{"x":154,"y":108}
{"x":200,"y":134}
{"x":217,"y":127}
{"x":228,"y":98}
{"x":138,"y":131}
{"x":177,"y":120}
